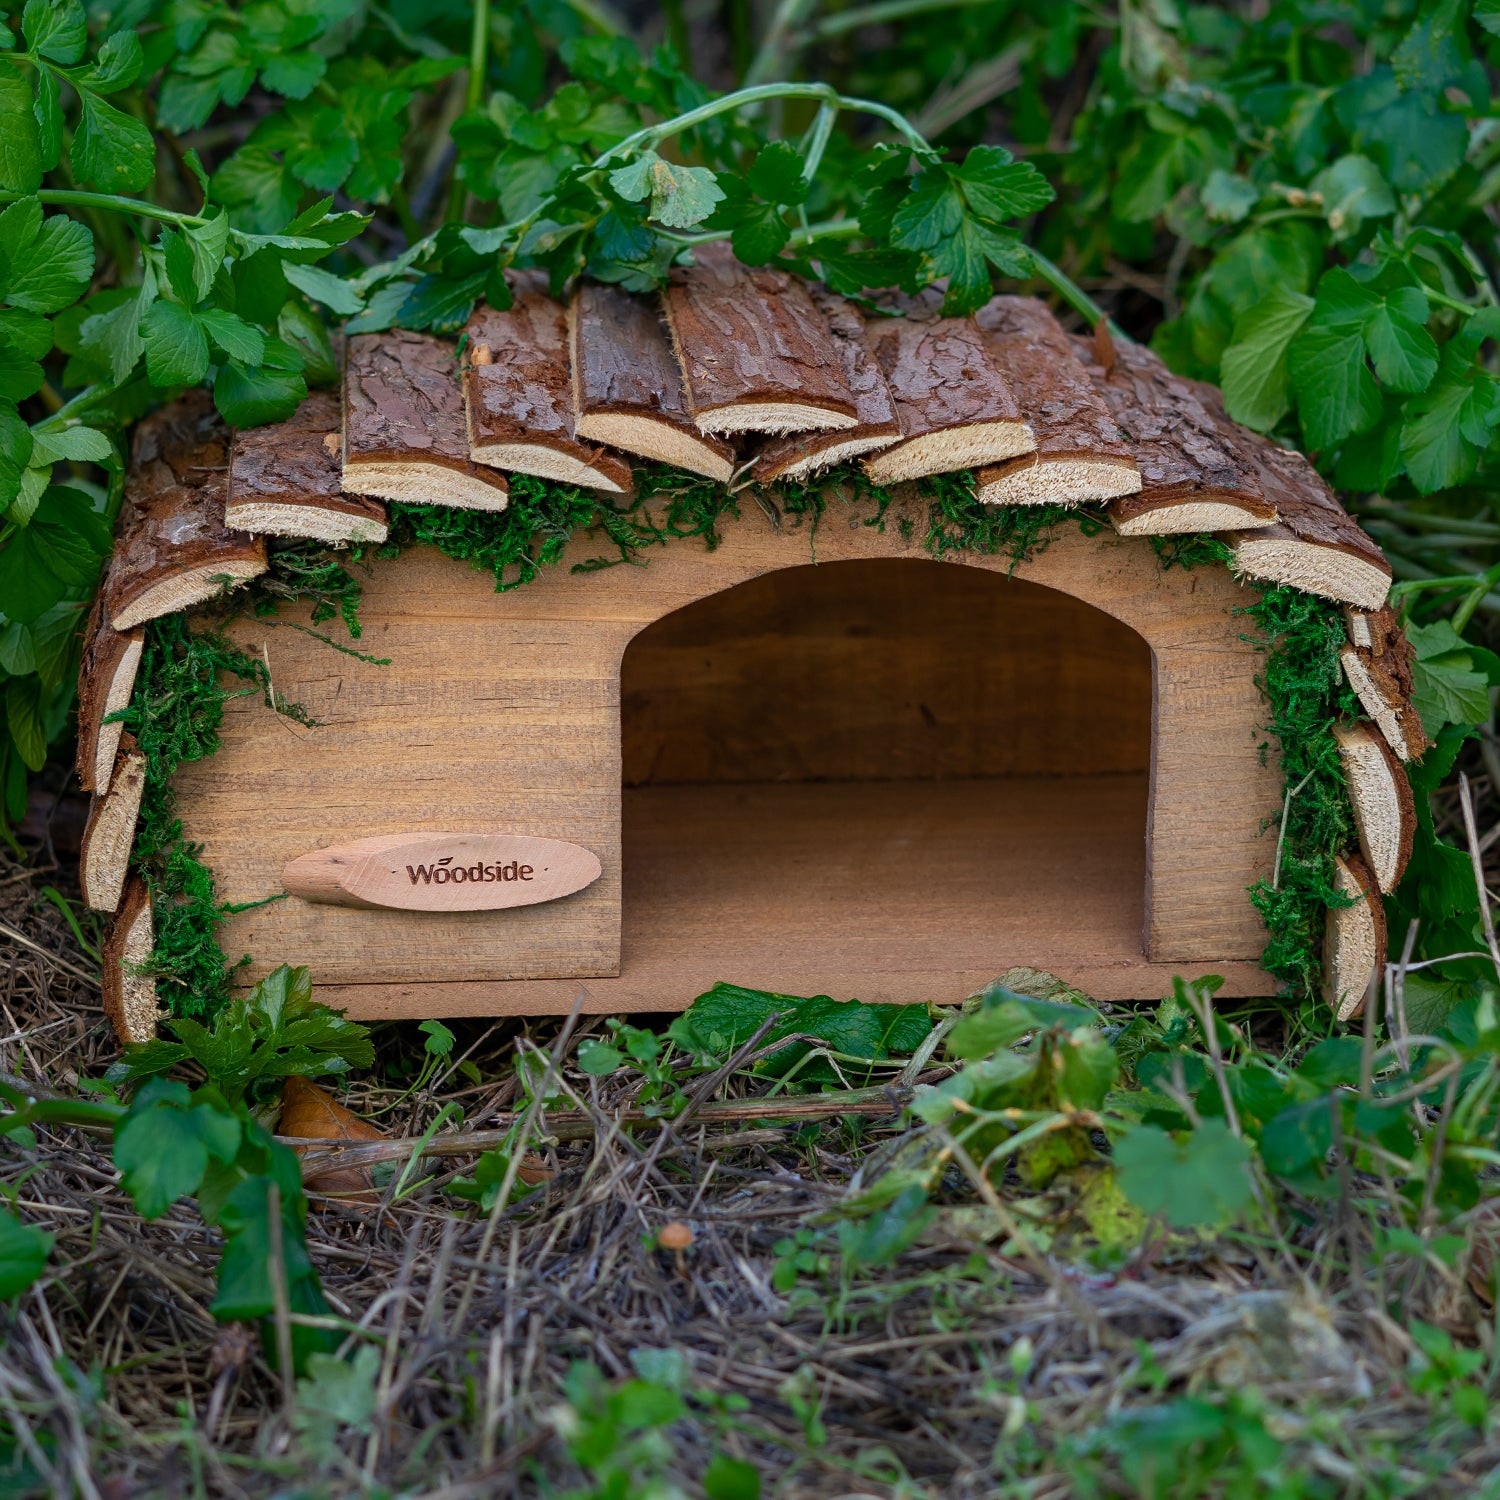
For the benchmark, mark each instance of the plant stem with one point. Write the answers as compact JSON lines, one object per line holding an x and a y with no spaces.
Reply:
{"x":1074,"y":295}
{"x":815,"y":142}
{"x":479,"y":52}
{"x":70,"y":198}
{"x":769,"y":56}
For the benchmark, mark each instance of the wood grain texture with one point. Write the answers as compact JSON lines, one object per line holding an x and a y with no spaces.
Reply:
{"x":287,"y":479}
{"x":1354,"y":939}
{"x":520,"y":732}
{"x":106,"y":679}
{"x":172,"y":547}
{"x":442,"y":872}
{"x":627,"y":388}
{"x":1195,"y":473}
{"x":955,"y":408}
{"x":1378,"y":662}
{"x":104,"y":855}
{"x":1385,"y":814}
{"x":129,"y":996}
{"x":1080,"y":454}
{"x":801,"y":455}
{"x":405,"y":436}
{"x":755,"y":352}
{"x":518,"y":393}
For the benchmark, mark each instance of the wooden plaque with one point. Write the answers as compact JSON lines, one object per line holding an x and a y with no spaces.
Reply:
{"x":442,"y":871}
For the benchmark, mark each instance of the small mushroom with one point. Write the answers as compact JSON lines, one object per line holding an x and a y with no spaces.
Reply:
{"x":674,"y":1236}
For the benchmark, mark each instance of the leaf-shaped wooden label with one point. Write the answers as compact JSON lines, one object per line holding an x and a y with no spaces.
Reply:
{"x":442,"y":871}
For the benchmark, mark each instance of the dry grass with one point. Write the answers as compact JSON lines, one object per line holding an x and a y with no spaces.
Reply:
{"x":970,"y":1367}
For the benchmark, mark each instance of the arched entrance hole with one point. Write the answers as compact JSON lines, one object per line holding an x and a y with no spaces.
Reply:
{"x":897,"y":776}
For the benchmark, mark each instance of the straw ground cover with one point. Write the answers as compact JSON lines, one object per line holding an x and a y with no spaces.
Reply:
{"x":897,"y":1301}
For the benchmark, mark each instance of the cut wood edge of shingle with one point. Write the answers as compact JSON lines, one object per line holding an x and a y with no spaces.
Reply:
{"x":1276,"y":555}
{"x":1354,"y":939}
{"x":1056,"y":479}
{"x":422,"y":482}
{"x":176,"y":591}
{"x":598,"y":472}
{"x":130,"y":998}
{"x":946,"y":450}
{"x":1189,"y":516}
{"x":777,"y":418}
{"x":791,"y":460}
{"x":104,"y":855}
{"x":663,"y":441}
{"x":1376,"y":702}
{"x":1385,"y":815}
{"x":306,"y":520}
{"x":106,"y":681}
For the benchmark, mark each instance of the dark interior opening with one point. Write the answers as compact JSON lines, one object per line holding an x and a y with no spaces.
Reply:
{"x":883,"y":770}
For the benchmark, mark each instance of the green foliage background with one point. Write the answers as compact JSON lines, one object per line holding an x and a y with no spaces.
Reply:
{"x":1296,"y":200}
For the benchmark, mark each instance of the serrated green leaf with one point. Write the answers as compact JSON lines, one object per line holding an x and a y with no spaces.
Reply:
{"x":207,"y":244}
{"x":76,"y":444}
{"x":1352,"y":191}
{"x":1487,"y":13}
{"x":1254,"y":367}
{"x":250,"y":398}
{"x":1447,"y":687}
{"x":27,"y":334}
{"x":1226,"y":198}
{"x":49,"y":120}
{"x":1403,"y":352}
{"x":176,"y":346}
{"x":179,"y":263}
{"x":115,"y":335}
{"x":234,"y":335}
{"x":997,"y":187}
{"x":633,"y":181}
{"x":294,"y":74}
{"x":1447,"y":427}
{"x":1336,"y":393}
{"x":777,"y":174}
{"x":19,"y":377}
{"x":1203,"y":1179}
{"x":20,"y":140}
{"x":599,"y":1058}
{"x":119,"y":63}
{"x":56,"y":29}
{"x":24,"y":1250}
{"x":759,"y":237}
{"x":930,"y":214}
{"x":111,"y":149}
{"x":682,"y":196}
{"x":336,"y":294}
{"x":54,"y":269}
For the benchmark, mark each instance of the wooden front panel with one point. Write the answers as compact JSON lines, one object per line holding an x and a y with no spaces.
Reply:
{"x":888,"y":669}
{"x":500,"y":713}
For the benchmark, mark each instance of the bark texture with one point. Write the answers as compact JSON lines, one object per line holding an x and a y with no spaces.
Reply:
{"x":106,"y":677}
{"x":1378,"y":663}
{"x":404,"y":433}
{"x":876,"y":425}
{"x":955,"y":408}
{"x":519,"y":393}
{"x":1195,"y":472}
{"x":627,"y":387}
{"x":287,"y":479}
{"x":756,"y":353}
{"x":1081,"y":454}
{"x":173,"y":548}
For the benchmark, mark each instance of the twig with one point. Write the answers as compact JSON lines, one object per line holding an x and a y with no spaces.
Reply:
{"x":63,"y":963}
{"x":1471,"y":834}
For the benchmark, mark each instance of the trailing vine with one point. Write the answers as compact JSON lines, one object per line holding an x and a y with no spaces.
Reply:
{"x":180,"y":694}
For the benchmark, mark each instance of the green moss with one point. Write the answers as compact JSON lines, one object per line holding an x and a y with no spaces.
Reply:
{"x":959,"y":521}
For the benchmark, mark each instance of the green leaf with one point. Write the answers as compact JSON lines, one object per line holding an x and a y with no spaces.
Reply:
{"x":57,"y":554}
{"x":1203,"y":1179}
{"x":179,"y":263}
{"x":1254,"y":366}
{"x":439,"y":1041}
{"x":162,"y":1148}
{"x":73,"y":443}
{"x":116,"y":336}
{"x":682,"y":196}
{"x":112,"y":150}
{"x":23,"y":1254}
{"x":19,"y":377}
{"x":49,"y":120}
{"x":119,"y":63}
{"x":728,"y":1478}
{"x":599,"y":1058}
{"x":54,"y":269}
{"x":1336,"y":393}
{"x":1447,"y":687}
{"x":1449,"y":425}
{"x":234,"y":335}
{"x":20,"y":138}
{"x":998,"y":187}
{"x":23,"y":716}
{"x":633,"y":181}
{"x":207,"y":244}
{"x":777,"y":174}
{"x":294,"y":74}
{"x":1487,"y":13}
{"x":759,"y":237}
{"x":931,"y":213}
{"x":57,"y":29}
{"x":336,"y":294}
{"x":252,"y":397}
{"x":1226,"y":198}
{"x":1353,"y":190}
{"x":176,"y":346}
{"x":1401,"y":349}
{"x":439,"y":302}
